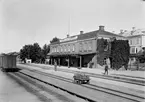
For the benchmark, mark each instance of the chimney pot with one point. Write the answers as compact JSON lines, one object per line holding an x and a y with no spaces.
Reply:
{"x":67,"y":35}
{"x":81,"y":32}
{"x":101,"y":28}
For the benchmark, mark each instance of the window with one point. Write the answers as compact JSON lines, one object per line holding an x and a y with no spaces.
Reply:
{"x":106,"y":48}
{"x":59,"y":49}
{"x":90,"y":45}
{"x":136,"y":50}
{"x":130,"y":42}
{"x":85,"y":46}
{"x":132,"y":50}
{"x":51,"y":49}
{"x":62,"y":48}
{"x":81,"y":46}
{"x":137,"y":41}
{"x":73,"y":47}
{"x":68,"y":48}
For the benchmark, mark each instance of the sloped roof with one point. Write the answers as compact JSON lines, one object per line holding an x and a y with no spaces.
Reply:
{"x":97,"y":32}
{"x":91,"y":34}
{"x":134,"y":33}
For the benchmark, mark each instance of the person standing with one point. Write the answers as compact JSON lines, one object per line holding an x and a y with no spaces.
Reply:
{"x":55,"y":65}
{"x":106,"y":67}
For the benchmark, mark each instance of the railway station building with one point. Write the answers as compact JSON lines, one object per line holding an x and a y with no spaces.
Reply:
{"x":80,"y":50}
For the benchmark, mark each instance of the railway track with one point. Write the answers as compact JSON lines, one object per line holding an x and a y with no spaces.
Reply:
{"x":40,"y":88}
{"x":113,"y":92}
{"x":128,"y":79}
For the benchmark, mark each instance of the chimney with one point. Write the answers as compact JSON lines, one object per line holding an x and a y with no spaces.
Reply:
{"x":81,"y":32}
{"x":67,"y":35}
{"x":121,"y":31}
{"x":133,"y":28}
{"x":101,"y":28}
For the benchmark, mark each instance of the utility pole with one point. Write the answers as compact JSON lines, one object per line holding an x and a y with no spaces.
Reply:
{"x":96,"y":50}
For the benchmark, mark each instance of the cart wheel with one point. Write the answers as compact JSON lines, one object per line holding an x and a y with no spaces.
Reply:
{"x":88,"y":82}
{"x":80,"y":82}
{"x":75,"y":81}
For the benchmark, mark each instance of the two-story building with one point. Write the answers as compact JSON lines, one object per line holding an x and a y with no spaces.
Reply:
{"x":79,"y":50}
{"x":136,"y":39}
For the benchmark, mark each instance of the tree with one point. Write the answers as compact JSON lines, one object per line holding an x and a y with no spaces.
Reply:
{"x":45,"y":51}
{"x":32,"y":52}
{"x":25,"y":52}
{"x":55,"y":39}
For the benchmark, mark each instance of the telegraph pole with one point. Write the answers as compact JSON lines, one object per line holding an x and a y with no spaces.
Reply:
{"x":96,"y":50}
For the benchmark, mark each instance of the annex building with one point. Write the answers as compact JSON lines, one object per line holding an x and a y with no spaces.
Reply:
{"x":79,"y":50}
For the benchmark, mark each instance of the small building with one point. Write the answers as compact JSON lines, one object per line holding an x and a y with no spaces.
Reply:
{"x":79,"y":50}
{"x":28,"y":60}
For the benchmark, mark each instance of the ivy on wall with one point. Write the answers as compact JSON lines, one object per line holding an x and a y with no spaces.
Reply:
{"x":117,"y":51}
{"x":103,"y":48}
{"x":119,"y":55}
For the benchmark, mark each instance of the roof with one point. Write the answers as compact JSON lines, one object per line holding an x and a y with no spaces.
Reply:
{"x":97,"y":32}
{"x":88,"y":35}
{"x":135,"y":32}
{"x":134,"y":36}
{"x":60,"y":54}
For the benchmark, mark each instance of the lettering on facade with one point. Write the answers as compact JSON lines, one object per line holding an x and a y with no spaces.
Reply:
{"x":68,"y":39}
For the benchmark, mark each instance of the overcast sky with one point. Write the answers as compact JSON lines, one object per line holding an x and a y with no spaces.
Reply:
{"x":28,"y":21}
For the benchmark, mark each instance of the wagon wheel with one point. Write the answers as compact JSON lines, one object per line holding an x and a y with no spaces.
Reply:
{"x":75,"y":81}
{"x":88,"y":81}
{"x":80,"y":82}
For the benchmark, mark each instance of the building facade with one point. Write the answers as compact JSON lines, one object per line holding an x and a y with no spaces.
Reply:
{"x":136,"y":38}
{"x":79,"y":50}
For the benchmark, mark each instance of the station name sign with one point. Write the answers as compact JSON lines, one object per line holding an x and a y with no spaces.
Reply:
{"x":68,"y":39}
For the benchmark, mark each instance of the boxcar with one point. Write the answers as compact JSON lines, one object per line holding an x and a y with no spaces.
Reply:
{"x":7,"y":62}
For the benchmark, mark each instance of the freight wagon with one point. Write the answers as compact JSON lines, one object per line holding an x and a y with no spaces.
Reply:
{"x":8,"y":63}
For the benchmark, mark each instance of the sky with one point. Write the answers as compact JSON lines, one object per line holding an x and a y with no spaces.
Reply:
{"x":28,"y":21}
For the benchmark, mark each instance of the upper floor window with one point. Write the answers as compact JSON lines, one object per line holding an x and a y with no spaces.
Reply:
{"x":66,"y":47}
{"x":90,"y":45}
{"x":85,"y":46}
{"x":73,"y":47}
{"x":81,"y":46}
{"x":130,"y":41}
{"x":69,"y":48}
{"x":137,"y":41}
{"x":62,"y":48}
{"x":58,"y":48}
{"x":51,"y":49}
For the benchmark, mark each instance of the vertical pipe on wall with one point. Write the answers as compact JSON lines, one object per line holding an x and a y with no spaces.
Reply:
{"x":80,"y":61}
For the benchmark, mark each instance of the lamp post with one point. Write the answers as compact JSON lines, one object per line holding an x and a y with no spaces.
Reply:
{"x":96,"y":50}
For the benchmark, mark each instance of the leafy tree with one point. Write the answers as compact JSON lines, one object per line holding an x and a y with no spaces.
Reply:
{"x":25,"y":52}
{"x":45,"y":51}
{"x":31,"y":52}
{"x":55,"y":39}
